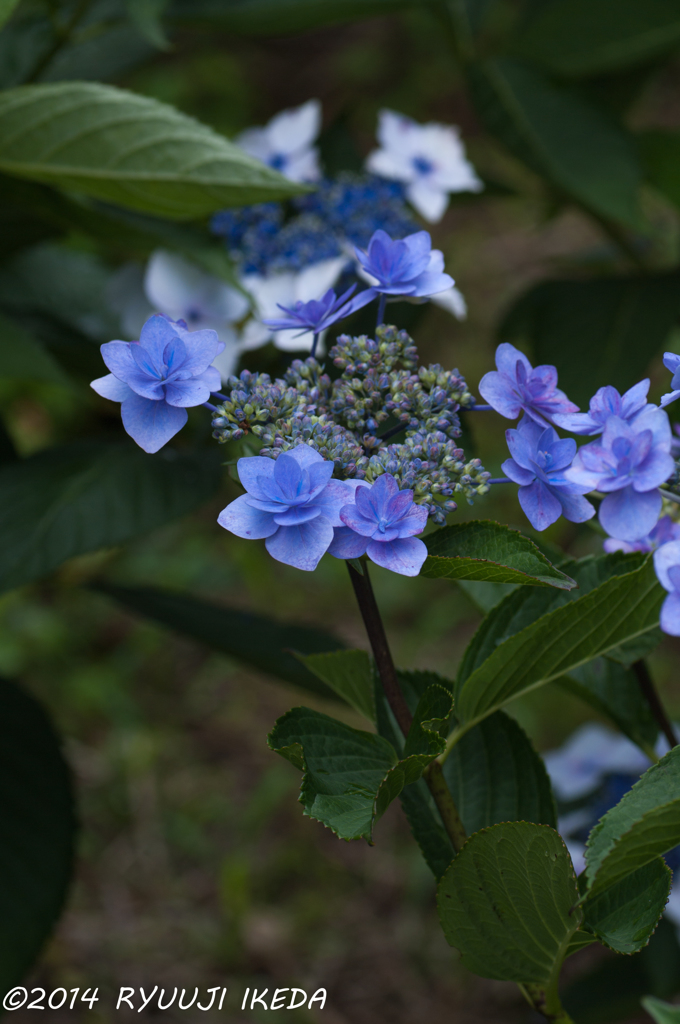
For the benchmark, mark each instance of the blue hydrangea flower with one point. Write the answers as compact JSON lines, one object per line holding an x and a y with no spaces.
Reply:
{"x":605,"y":402}
{"x":629,"y":464}
{"x":354,"y":206}
{"x":667,"y":566}
{"x":672,"y":362}
{"x":409,"y":266}
{"x":517,"y":386}
{"x":664,"y":531}
{"x":319,"y":314}
{"x":382,"y":524}
{"x":158,"y":377}
{"x":538,"y":464}
{"x":291,"y":502}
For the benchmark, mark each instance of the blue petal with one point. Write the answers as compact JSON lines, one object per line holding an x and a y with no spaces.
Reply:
{"x":297,"y":514}
{"x":151,"y":424}
{"x":288,"y":477}
{"x":405,"y":556}
{"x":201,"y":348}
{"x":670,"y":615}
{"x":302,"y":546}
{"x":628,"y":515}
{"x":305,"y":455}
{"x":156,"y":334}
{"x":334,"y":497}
{"x":245,"y":521}
{"x":112,"y":388}
{"x":186,"y":393}
{"x":347,"y":543}
{"x":539,"y":505}
{"x":250,"y":469}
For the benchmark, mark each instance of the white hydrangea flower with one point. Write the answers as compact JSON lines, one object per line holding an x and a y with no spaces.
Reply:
{"x":591,"y":752}
{"x":429,"y":158}
{"x":285,"y":288}
{"x":286,"y":143}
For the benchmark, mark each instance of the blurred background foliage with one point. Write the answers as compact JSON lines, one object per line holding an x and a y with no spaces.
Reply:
{"x":195,"y":866}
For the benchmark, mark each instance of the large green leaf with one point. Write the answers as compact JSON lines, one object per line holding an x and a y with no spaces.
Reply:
{"x":508,"y":902}
{"x":495,"y":775}
{"x":349,"y":674}
{"x":127,"y":149}
{"x":23,"y":358}
{"x":351,"y":777}
{"x":662,"y":1013}
{"x":484,"y":550}
{"x":72,"y":500}
{"x":614,"y":326}
{"x":561,"y":136}
{"x":624,"y":915}
{"x":258,"y":641}
{"x":6,"y":9}
{"x":37,"y":832}
{"x":621,"y":609}
{"x":644,"y":824}
{"x":613,"y":690}
{"x":282,"y":17}
{"x":578,"y":37}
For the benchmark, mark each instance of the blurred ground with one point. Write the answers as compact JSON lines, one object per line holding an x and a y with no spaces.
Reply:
{"x":197,"y":867}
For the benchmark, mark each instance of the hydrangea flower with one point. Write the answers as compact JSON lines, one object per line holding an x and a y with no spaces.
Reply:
{"x":664,"y":531}
{"x":429,"y":158}
{"x":538,"y":464}
{"x":408,"y":266}
{"x":291,"y":502}
{"x":319,"y":314}
{"x":593,"y":751}
{"x":285,"y":143}
{"x":629,"y":464}
{"x":667,"y":566}
{"x":671,"y":361}
{"x":382,"y":523}
{"x":517,"y":386}
{"x":605,"y":402}
{"x":158,"y":377}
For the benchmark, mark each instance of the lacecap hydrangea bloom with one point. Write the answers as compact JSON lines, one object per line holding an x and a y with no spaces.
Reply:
{"x":405,"y":267}
{"x":319,"y":314}
{"x":516,"y":386}
{"x":605,"y":402}
{"x":538,"y":464}
{"x":158,"y":377}
{"x":665,"y":530}
{"x":428,"y":158}
{"x":628,"y":464}
{"x":667,"y":566}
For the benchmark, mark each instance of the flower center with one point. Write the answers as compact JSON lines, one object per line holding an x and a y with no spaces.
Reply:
{"x":422,"y":165}
{"x":278,"y":161}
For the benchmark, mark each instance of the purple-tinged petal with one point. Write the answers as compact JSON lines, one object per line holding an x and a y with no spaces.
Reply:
{"x":562,"y":453}
{"x":665,"y":558}
{"x":540,"y":505}
{"x":431,"y":284}
{"x":398,"y":505}
{"x":112,"y":388}
{"x":405,"y":556}
{"x":523,"y":442}
{"x":186,"y":393}
{"x":635,"y":399}
{"x":414,"y":522}
{"x":266,"y":506}
{"x":517,"y":473}
{"x":240,"y":518}
{"x":670,"y":615}
{"x":657,"y":468}
{"x":156,"y":334}
{"x":674,"y":576}
{"x":347,"y":544}
{"x":118,"y":358}
{"x":201,"y":348}
{"x":297,"y":514}
{"x":578,"y":423}
{"x":352,"y":517}
{"x":211,"y":377}
{"x":304,"y":455}
{"x":575,"y":507}
{"x":628,"y":515}
{"x":506,"y":359}
{"x":546,"y":376}
{"x":319,"y":475}
{"x":251,"y":469}
{"x":667,"y":399}
{"x":302,"y":546}
{"x":671,"y":360}
{"x":332,"y":499}
{"x":497,"y":389}
{"x":151,"y":424}
{"x":289,"y":479}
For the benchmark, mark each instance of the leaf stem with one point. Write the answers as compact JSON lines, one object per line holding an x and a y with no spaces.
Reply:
{"x":649,"y":692}
{"x":382,"y":301}
{"x":551,"y":1008}
{"x":62,"y":36}
{"x":433,"y":774}
{"x":669,"y":495}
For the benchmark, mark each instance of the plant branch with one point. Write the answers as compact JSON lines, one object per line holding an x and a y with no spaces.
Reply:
{"x":548,"y":1005}
{"x":646,"y":684}
{"x":62,"y":36}
{"x":433,"y":774}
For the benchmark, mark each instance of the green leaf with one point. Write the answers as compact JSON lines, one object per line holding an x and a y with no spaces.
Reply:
{"x":579,"y":38}
{"x":72,"y":500}
{"x":508,"y":902}
{"x":37,"y":832}
{"x":282,"y":17}
{"x":495,"y":775}
{"x":614,"y":325}
{"x":662,"y":1013}
{"x":621,"y":609}
{"x":349,"y":674}
{"x":613,"y":690}
{"x":643,"y":825}
{"x":561,"y":136}
{"x":6,"y":10}
{"x":350,"y":776}
{"x":128,"y":149}
{"x":484,"y":550}
{"x":624,"y":915}
{"x":23,"y":358}
{"x":146,"y":16}
{"x":258,"y":641}
{"x":660,"y":156}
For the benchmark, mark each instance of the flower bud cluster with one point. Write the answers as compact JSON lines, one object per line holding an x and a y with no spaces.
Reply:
{"x":380,"y":380}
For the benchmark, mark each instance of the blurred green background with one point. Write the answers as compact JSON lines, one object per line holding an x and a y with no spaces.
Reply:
{"x":196,"y":866}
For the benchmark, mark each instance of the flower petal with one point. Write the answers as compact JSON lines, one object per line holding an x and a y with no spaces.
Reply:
{"x":332,"y":499}
{"x":404,"y":556}
{"x":347,"y":544}
{"x":302,"y":546}
{"x":575,"y":507}
{"x":187,"y":393}
{"x":151,"y":424}
{"x":112,"y":388}
{"x":518,"y":474}
{"x":670,"y":615}
{"x":629,"y":515}
{"x":540,"y":505}
{"x":665,"y":558}
{"x":297,"y":514}
{"x":240,"y":518}
{"x":250,"y":469}
{"x":496,"y":388}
